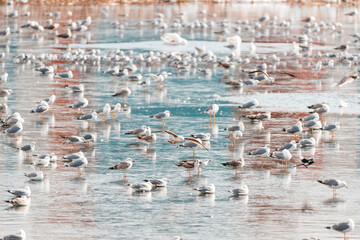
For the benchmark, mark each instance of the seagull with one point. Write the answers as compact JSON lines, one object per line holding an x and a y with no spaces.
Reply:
{"x":14,"y":130}
{"x":45,"y":70}
{"x":241,"y":191}
{"x":202,"y":136}
{"x":90,"y":138}
{"x":3,"y":78}
{"x":201,"y":163}
{"x":344,"y":227}
{"x":176,"y":138}
{"x":332,"y":128}
{"x":115,"y":109}
{"x":239,"y":127}
{"x":65,"y":35}
{"x":28,"y":148}
{"x":50,"y":100}
{"x":148,"y":138}
{"x":5,"y":93}
{"x":206,"y":189}
{"x":42,"y":163}
{"x":193,"y":144}
{"x":43,"y":107}
{"x":123,"y":93}
{"x":3,"y":108}
{"x":188,"y":165}
{"x":284,"y":155}
{"x":297,"y":128}
{"x":334,"y":184}
{"x":35,"y":176}
{"x":322,"y":109}
{"x":142,"y":187}
{"x":73,"y":140}
{"x":19,"y":201}
{"x":143,"y":131}
{"x":307,"y":142}
{"x":162,"y":116}
{"x":18,"y":236}
{"x":234,"y":136}
{"x":212,"y":110}
{"x":21,"y":192}
{"x":289,"y":146}
{"x":173,"y":39}
{"x":82,"y":103}
{"x":235,"y":164}
{"x":313,"y":125}
{"x":259,"y":116}
{"x":317,"y":105}
{"x":66,"y":75}
{"x":104,"y":111}
{"x":123,"y":166}
{"x":80,"y":163}
{"x":311,"y":117}
{"x":88,"y":117}
{"x":249,"y":105}
{"x":306,"y":162}
{"x":52,"y":157}
{"x":12,"y":119}
{"x":264,"y":151}
{"x":158,"y":182}
{"x":74,"y":156}
{"x":347,"y":80}
{"x":76,"y":88}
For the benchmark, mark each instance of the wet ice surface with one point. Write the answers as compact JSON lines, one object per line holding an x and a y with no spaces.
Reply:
{"x":99,"y":205}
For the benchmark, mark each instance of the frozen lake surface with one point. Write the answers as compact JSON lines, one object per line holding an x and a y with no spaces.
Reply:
{"x":282,"y":204}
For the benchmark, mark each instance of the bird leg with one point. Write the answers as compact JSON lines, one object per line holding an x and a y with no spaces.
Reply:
{"x":103,"y":119}
{"x":124,"y":102}
{"x":194,"y":154}
{"x":150,"y":147}
{"x":114,"y":116}
{"x":214,"y":118}
{"x":125,"y":174}
{"x":163,"y":123}
{"x":189,"y":176}
{"x":332,"y":136}
{"x":199,"y":171}
{"x":296,"y":138}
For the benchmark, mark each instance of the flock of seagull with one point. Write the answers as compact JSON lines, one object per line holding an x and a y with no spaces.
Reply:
{"x":124,"y":67}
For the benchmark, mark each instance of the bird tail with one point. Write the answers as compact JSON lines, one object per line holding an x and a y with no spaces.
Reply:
{"x":328,"y":227}
{"x":112,"y":168}
{"x":151,"y":116}
{"x":64,"y":137}
{"x":67,"y":165}
{"x":312,"y":111}
{"x":128,"y":133}
{"x":70,"y":106}
{"x":114,"y":95}
{"x":320,"y":181}
{"x":32,"y":111}
{"x":284,"y":129}
{"x":249,"y":154}
{"x":224,"y":164}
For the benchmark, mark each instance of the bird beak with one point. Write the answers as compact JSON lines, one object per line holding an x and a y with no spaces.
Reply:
{"x":168,"y":180}
{"x":346,"y":186}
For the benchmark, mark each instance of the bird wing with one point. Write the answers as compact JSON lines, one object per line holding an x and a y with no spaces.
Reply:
{"x":341,"y":226}
{"x":331,"y":182}
{"x":122,"y":165}
{"x":170,"y":133}
{"x":259,"y":151}
{"x":13,"y":129}
{"x":77,"y":163}
{"x":260,"y":71}
{"x":196,"y":142}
